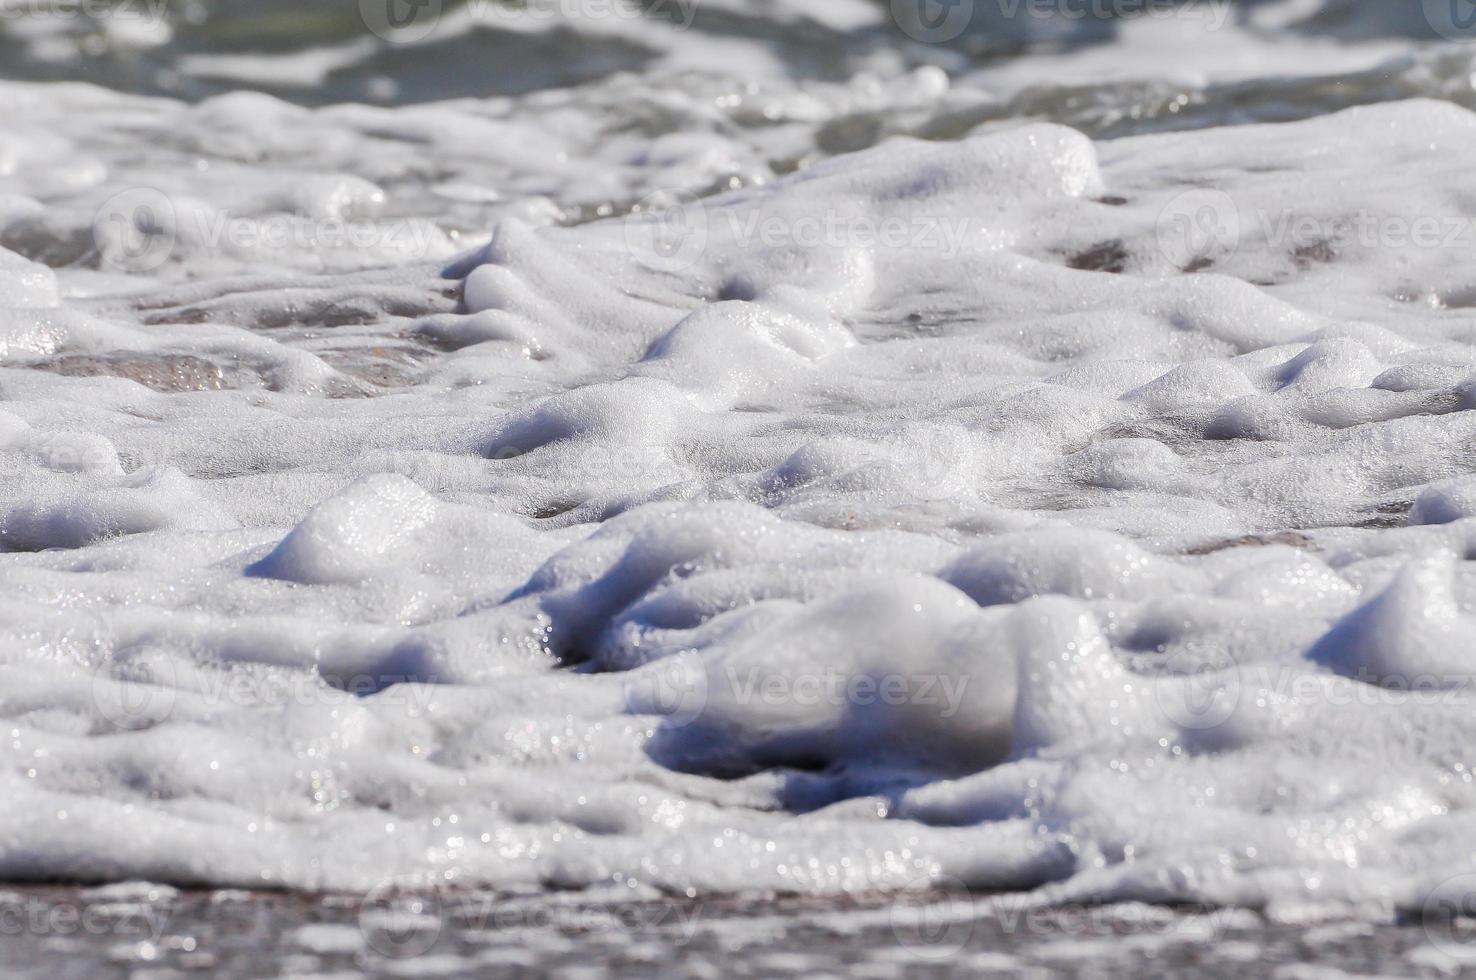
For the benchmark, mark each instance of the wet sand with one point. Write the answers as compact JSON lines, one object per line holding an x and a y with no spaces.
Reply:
{"x":62,"y":933}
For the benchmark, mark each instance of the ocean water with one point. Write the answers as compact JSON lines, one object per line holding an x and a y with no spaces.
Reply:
{"x":742,"y":447}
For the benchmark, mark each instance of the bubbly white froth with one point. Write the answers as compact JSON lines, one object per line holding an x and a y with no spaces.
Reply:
{"x":742,"y":513}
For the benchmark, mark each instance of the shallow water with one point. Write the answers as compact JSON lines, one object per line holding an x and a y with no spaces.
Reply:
{"x":134,"y":931}
{"x":742,"y":448}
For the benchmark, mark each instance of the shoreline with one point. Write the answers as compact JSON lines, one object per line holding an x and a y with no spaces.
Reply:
{"x":61,"y":932}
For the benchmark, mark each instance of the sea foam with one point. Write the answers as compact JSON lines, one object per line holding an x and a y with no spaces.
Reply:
{"x":755,"y":510}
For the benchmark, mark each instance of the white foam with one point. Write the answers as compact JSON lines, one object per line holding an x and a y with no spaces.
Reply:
{"x":941,"y":509}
